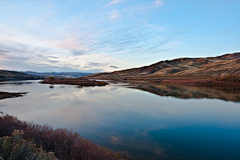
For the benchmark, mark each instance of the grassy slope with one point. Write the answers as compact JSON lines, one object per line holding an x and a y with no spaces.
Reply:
{"x":182,"y":67}
{"x":13,"y":75}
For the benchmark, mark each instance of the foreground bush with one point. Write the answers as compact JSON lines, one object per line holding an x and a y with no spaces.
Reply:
{"x":64,"y":143}
{"x":16,"y":148}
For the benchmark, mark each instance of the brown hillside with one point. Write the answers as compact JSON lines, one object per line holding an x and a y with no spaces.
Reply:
{"x":13,"y":75}
{"x":228,"y":63}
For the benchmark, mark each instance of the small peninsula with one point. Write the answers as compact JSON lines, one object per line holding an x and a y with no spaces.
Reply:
{"x":4,"y":95}
{"x":81,"y":81}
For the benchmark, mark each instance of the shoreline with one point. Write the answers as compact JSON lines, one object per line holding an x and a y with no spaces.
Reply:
{"x":5,"y":95}
{"x":189,"y":82}
{"x":19,"y":79}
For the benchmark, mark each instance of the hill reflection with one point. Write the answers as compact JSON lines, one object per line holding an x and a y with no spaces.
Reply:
{"x":187,"y":92}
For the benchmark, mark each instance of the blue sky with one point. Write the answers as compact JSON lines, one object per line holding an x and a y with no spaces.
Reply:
{"x":108,"y":35}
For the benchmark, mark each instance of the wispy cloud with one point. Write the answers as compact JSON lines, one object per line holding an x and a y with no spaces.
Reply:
{"x":101,"y":35}
{"x":88,"y":42}
{"x":113,"y":2}
{"x":158,"y":2}
{"x":115,"y":140}
{"x":113,"y":66}
{"x":95,"y":64}
{"x":73,"y":44}
{"x":115,"y":15}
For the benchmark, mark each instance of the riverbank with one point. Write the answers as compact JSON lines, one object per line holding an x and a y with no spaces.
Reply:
{"x":226,"y":81}
{"x":201,"y":82}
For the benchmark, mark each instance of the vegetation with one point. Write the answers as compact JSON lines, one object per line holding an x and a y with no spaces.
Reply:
{"x":230,"y":82}
{"x":64,"y":143}
{"x":51,"y":78}
{"x":16,"y":148}
{"x":225,"y":93}
{"x":81,"y":81}
{"x":181,"y":67}
{"x":229,"y":78}
{"x":13,"y":75}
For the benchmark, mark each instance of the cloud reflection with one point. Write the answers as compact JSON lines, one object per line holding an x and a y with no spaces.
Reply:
{"x":143,"y":123}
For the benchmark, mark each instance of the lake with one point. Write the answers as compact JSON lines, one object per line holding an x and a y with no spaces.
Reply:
{"x":149,"y":121}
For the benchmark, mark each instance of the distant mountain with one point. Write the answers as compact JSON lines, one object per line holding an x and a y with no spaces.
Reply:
{"x":58,"y":74}
{"x":228,"y":63}
{"x":13,"y":75}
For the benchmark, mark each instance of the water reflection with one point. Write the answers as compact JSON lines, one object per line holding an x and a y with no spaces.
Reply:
{"x":147,"y":125}
{"x":187,"y":92}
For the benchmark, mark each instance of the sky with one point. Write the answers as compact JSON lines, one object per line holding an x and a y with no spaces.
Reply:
{"x":109,"y":35}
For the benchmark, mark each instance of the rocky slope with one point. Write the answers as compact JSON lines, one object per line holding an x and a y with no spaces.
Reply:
{"x":228,"y":63}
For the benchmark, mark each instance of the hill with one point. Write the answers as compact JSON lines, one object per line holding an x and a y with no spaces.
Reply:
{"x":181,"y":67}
{"x":58,"y":74}
{"x":13,"y":75}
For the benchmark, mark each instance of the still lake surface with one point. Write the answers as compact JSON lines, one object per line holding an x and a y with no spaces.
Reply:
{"x":150,"y":122}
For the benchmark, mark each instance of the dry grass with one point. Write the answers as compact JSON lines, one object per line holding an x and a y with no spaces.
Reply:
{"x":81,"y":81}
{"x":229,"y":78}
{"x":180,"y":68}
{"x":13,"y":75}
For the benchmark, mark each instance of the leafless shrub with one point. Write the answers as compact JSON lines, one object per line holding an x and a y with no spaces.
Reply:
{"x":229,"y":78}
{"x":215,"y":76}
{"x":51,"y":78}
{"x":64,"y":143}
{"x":17,"y":148}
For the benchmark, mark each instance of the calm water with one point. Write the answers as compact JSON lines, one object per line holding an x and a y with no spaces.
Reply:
{"x":170,"y":123}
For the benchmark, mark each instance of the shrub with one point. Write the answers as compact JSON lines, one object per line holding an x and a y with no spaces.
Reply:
{"x":229,"y":78}
{"x":16,"y":148}
{"x":51,"y":78}
{"x":215,"y":76}
{"x":64,"y":143}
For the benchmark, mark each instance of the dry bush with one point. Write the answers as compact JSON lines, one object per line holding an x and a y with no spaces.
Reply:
{"x":224,"y":74}
{"x":214,"y":76}
{"x":229,"y":78}
{"x":17,"y":148}
{"x":51,"y":78}
{"x":64,"y":143}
